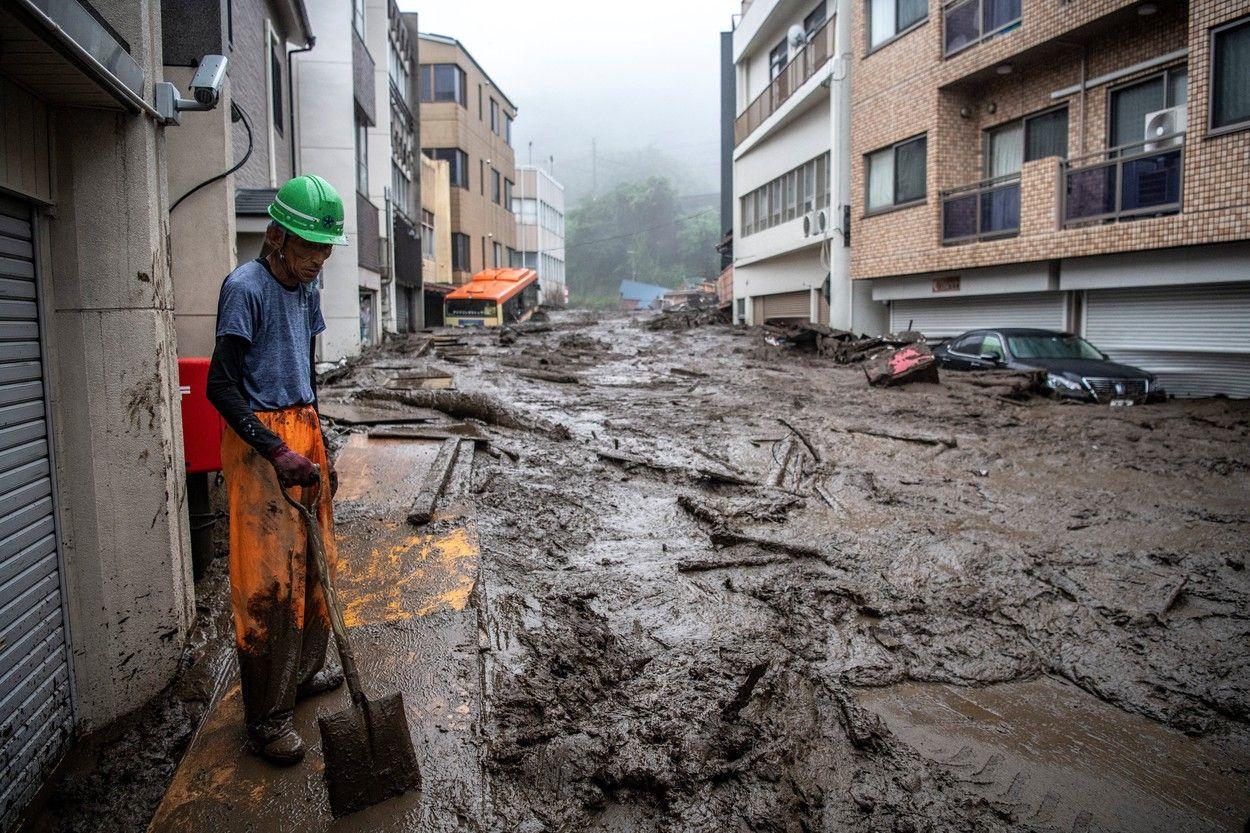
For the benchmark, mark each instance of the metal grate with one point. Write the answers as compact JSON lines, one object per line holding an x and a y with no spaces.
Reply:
{"x":1105,"y":390}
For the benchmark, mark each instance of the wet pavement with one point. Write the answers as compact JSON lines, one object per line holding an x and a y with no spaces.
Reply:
{"x":698,"y":583}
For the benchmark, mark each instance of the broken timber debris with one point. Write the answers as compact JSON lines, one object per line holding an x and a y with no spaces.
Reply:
{"x":463,"y":405}
{"x":551,"y":376}
{"x":922,"y":439}
{"x":433,"y":484}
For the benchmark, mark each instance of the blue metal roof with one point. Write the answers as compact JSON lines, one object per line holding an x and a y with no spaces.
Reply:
{"x":643,"y":292}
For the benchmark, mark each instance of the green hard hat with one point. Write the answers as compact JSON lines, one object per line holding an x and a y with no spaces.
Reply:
{"x":309,"y":207}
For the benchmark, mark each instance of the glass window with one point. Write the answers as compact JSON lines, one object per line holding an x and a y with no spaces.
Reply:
{"x":1131,"y":104}
{"x":1005,"y":150}
{"x":494,"y":117}
{"x":969,"y":345}
{"x":275,"y":86}
{"x":358,"y":16}
{"x":507,"y":129}
{"x":460,"y":252}
{"x":777,"y":59}
{"x":497,"y":255}
{"x":443,"y":82}
{"x":1046,"y":135}
{"x":896,"y":175}
{"x":887,"y":18}
{"x":362,"y":155}
{"x":1230,"y":75}
{"x":496,"y":188}
{"x":457,"y":162}
{"x":814,"y":20}
{"x":909,"y":171}
{"x":748,"y":214}
{"x":992,"y":345}
{"x":774,"y":203}
{"x":507,"y":194}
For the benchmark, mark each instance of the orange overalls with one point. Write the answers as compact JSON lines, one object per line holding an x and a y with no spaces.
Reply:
{"x":281,"y":623}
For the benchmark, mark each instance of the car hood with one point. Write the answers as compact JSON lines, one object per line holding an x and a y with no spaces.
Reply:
{"x":1093,"y":368}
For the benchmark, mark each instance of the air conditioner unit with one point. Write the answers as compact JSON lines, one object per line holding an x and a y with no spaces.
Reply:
{"x":1165,"y":123}
{"x":816,"y":223}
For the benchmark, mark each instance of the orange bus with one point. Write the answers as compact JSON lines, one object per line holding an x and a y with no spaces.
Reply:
{"x":493,"y":298}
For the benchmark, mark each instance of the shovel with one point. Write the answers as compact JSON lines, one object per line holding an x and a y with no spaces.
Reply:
{"x":367,"y":747}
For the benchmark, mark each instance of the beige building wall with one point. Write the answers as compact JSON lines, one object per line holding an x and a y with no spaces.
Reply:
{"x":436,"y":199}
{"x":468,"y":127}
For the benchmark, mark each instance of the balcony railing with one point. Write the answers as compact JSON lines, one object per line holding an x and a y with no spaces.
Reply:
{"x":981,"y":211}
{"x":1124,"y":183}
{"x":813,"y":56}
{"x":965,"y":23}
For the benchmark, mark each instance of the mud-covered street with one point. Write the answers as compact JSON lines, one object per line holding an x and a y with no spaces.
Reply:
{"x":728,"y":587}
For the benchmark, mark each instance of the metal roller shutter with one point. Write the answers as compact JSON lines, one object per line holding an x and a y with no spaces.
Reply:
{"x":36,"y":717}
{"x":1195,"y":338}
{"x":946,"y":317}
{"x":787,"y":305}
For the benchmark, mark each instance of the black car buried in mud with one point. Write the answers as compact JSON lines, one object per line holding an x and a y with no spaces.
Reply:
{"x":1075,"y":369}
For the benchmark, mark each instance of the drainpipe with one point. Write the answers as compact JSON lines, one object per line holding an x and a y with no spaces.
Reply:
{"x":841,"y":291}
{"x":290,"y":96}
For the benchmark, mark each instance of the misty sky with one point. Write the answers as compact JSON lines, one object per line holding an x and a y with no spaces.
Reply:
{"x":630,"y":76}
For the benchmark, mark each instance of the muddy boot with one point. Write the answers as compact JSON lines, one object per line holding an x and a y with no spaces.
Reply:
{"x":327,"y":679}
{"x":282,"y":746}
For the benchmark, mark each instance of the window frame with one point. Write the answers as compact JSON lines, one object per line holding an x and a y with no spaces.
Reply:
{"x":496,"y":186}
{"x":494,"y":116}
{"x":508,"y":187}
{"x":462,"y":156}
{"x":361,"y":132}
{"x":898,"y":33}
{"x":893,"y":148}
{"x":982,"y":35}
{"x":1023,"y":121}
{"x":463,"y":262}
{"x":810,"y":30}
{"x":1165,"y":74}
{"x":774,"y":68}
{"x":426,"y":81}
{"x":1233,"y":127}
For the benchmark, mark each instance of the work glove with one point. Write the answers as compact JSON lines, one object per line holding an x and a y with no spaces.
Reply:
{"x":293,"y":469}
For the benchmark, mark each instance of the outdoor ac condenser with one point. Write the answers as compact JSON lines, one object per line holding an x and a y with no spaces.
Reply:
{"x":1162,"y":123}
{"x":816,"y":223}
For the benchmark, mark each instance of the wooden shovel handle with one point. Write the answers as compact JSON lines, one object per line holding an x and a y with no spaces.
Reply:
{"x":327,"y":589}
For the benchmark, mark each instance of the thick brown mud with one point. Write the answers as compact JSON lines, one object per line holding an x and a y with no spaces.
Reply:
{"x":668,"y":649}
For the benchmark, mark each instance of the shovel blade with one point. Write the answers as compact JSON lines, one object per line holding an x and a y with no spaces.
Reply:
{"x":368,"y":754}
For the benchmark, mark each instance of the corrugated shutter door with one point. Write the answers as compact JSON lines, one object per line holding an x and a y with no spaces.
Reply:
{"x":402,"y":304}
{"x":1195,"y":338}
{"x":946,"y":317}
{"x":788,"y":305}
{"x":36,"y":718}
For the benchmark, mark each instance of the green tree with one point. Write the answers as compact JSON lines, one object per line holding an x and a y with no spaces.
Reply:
{"x":637,"y":231}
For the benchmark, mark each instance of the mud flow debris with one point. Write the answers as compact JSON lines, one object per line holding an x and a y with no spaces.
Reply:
{"x":725,"y":585}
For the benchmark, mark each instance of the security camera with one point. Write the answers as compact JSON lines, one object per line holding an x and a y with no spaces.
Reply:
{"x":206,"y":86}
{"x":208,"y":79}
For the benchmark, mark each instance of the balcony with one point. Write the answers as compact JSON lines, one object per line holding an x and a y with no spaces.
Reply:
{"x":1124,"y":183}
{"x":966,"y":23}
{"x":985,"y":210}
{"x":803,"y":66}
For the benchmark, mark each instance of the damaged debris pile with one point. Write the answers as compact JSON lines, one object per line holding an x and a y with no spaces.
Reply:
{"x":685,"y":317}
{"x":843,"y":346}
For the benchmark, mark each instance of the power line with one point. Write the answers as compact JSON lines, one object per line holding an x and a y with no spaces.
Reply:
{"x":678,"y":221}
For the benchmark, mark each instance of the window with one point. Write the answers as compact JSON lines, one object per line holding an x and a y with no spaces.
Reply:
{"x":527,"y":208}
{"x":969,"y":345}
{"x":514,"y":258}
{"x":896,"y":175}
{"x":1130,"y":104}
{"x":496,"y":251}
{"x":992,"y":345}
{"x":494,"y":117}
{"x":460,"y":252}
{"x":480,"y":113}
{"x":507,"y":129}
{"x":427,"y":234}
{"x":1230,"y":75}
{"x":401,"y":190}
{"x":507,"y":194}
{"x":362,"y":154}
{"x":1010,"y":145}
{"x":814,"y":20}
{"x":481,"y":176}
{"x":275,"y":84}
{"x":887,"y":19}
{"x":777,"y":59}
{"x":788,"y":197}
{"x":496,"y":187}
{"x":443,"y":82}
{"x":358,"y":17}
{"x":966,"y":23}
{"x":457,"y":162}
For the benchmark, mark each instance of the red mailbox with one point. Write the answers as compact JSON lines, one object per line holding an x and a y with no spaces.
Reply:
{"x":202,"y":426}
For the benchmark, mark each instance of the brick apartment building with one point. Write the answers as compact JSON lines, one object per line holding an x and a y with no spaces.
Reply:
{"x":467,"y":121}
{"x":1005,"y":175}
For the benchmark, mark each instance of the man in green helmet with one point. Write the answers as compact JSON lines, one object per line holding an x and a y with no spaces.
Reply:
{"x":262,"y":380}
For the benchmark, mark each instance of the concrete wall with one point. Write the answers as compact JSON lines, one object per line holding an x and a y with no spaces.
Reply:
{"x":270,"y":162}
{"x":326,"y":111}
{"x":377,"y":26}
{"x":108,"y":300}
{"x":436,"y":198}
{"x":202,"y":227}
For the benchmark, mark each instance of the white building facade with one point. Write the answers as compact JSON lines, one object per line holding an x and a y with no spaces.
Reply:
{"x":538,"y":202}
{"x":791,"y":167}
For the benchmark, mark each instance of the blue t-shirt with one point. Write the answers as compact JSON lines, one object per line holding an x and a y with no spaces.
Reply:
{"x":279,"y":324}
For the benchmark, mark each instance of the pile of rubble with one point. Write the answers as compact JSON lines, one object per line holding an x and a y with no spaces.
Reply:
{"x":685,"y":317}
